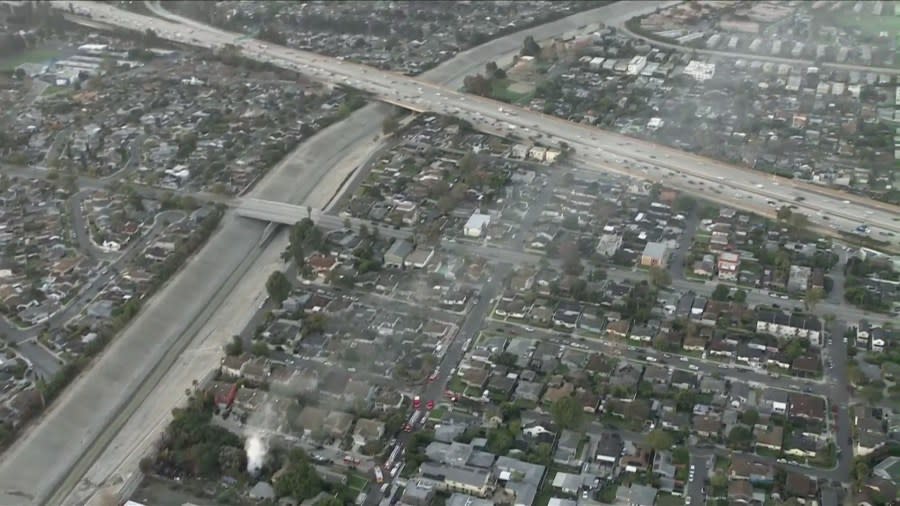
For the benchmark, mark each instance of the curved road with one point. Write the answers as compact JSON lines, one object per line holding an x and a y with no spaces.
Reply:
{"x":760,"y":57}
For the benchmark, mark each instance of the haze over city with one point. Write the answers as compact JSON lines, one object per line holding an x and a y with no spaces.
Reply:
{"x":532,"y":253}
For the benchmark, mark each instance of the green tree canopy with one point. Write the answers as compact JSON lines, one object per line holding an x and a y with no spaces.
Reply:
{"x":660,"y":277}
{"x":720,"y":293}
{"x":278,"y":287}
{"x":299,"y":479}
{"x":567,"y":413}
{"x":658,"y":439}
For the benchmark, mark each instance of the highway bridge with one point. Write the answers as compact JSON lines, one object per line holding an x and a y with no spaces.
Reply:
{"x":595,"y":149}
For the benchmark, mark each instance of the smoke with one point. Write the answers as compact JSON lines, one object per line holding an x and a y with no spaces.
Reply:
{"x":256,"y":448}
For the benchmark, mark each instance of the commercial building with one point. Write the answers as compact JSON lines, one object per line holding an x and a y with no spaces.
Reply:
{"x":477,"y":224}
{"x":655,"y":255}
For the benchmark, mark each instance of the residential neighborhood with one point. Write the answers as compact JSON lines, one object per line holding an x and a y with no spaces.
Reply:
{"x":235,"y":270}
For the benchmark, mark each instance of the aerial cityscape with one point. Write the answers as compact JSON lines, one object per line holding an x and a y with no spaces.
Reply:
{"x":450,"y":253}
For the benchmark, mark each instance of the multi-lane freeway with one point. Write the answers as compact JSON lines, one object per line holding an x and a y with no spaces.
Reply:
{"x":594,"y":149}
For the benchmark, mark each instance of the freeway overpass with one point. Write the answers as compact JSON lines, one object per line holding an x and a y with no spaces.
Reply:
{"x":595,"y":149}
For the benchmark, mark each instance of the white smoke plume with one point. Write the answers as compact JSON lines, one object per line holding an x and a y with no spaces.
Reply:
{"x":256,"y":448}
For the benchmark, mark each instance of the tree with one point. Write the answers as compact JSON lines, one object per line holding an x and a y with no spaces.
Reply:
{"x":813,"y":297}
{"x":232,"y":460}
{"x":260,"y":349}
{"x":477,"y":85}
{"x":567,"y":413}
{"x":740,"y":438}
{"x":332,"y":500}
{"x":719,"y":480}
{"x":720,"y":293}
{"x":490,"y":69}
{"x":681,"y":456}
{"x":389,"y":125}
{"x":658,"y":439}
{"x":235,"y":347}
{"x":740,"y":296}
{"x":504,"y":358}
{"x":660,"y":277}
{"x":299,"y":479}
{"x":750,"y":417}
{"x":783,"y":213}
{"x":500,"y":441}
{"x":530,"y":47}
{"x":278,"y":287}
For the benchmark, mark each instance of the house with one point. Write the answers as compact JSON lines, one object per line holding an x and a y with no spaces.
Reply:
{"x":231,"y":365}
{"x":655,"y":254}
{"x":729,"y":265}
{"x":636,"y":495}
{"x":609,"y":244}
{"x":419,"y":258}
{"x":554,"y":394}
{"x":806,"y":366}
{"x":338,"y":423}
{"x":256,"y":370}
{"x":707,"y":426}
{"x":567,"y":483}
{"x":469,"y":480}
{"x":799,"y":485}
{"x":567,"y":447}
{"x":421,"y":494}
{"x":775,"y":400}
{"x":609,"y":448}
{"x":805,"y":406}
{"x":740,"y":491}
{"x":769,"y":437}
{"x":367,"y":430}
{"x":785,"y":325}
{"x":529,"y":391}
{"x":321,"y":264}
{"x":619,"y":328}
{"x":744,"y":467}
{"x":704,"y":267}
{"x":644,"y":333}
{"x":311,"y":419}
{"x":476,"y":224}
{"x":396,"y":255}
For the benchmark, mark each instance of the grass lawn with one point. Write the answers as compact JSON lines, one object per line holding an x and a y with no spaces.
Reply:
{"x":31,"y":56}
{"x":456,"y":385}
{"x":669,"y":500}
{"x":500,"y":90}
{"x":438,"y":413}
{"x":357,"y":482}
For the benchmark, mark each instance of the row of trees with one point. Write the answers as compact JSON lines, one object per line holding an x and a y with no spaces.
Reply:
{"x":483,"y":84}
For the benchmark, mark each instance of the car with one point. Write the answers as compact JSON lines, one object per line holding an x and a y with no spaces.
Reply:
{"x":433,"y":377}
{"x":693,"y":367}
{"x":683,"y":359}
{"x":429,"y":405}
